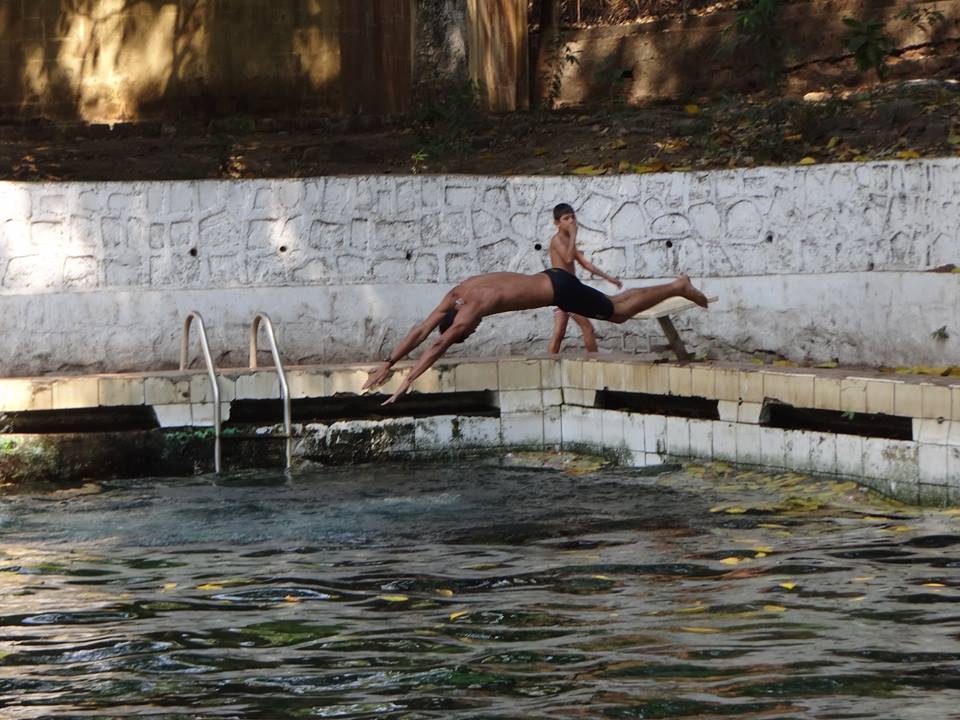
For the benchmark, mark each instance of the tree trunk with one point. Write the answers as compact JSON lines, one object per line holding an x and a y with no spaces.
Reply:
{"x":547,"y":41}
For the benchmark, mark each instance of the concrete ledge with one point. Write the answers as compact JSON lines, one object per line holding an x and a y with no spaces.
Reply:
{"x":549,"y":402}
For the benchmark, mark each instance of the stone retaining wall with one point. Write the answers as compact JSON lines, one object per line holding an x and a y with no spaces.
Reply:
{"x":811,"y":263}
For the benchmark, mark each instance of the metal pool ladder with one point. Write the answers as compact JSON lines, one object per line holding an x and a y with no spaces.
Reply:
{"x":211,"y":373}
{"x":281,"y":375}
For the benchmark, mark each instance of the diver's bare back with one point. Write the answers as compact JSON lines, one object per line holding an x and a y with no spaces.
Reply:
{"x":504,"y":292}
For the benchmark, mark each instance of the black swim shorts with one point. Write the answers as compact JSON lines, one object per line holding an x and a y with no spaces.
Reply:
{"x":573,"y":296}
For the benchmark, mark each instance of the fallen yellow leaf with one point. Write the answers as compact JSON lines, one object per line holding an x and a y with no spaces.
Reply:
{"x":210,"y":586}
{"x":807,"y":161}
{"x":826,"y":365}
{"x":459,"y":613}
{"x":929,"y":370}
{"x":691,"y":109}
{"x":954,"y":139}
{"x":730,"y":560}
{"x":393,"y":598}
{"x":601,"y":577}
{"x":760,"y":554}
{"x":907,"y":155}
{"x":618,"y":144}
{"x":539,"y":151}
{"x":934,"y":585}
{"x":833,"y":142}
{"x":292,"y":599}
{"x":797,"y":137}
{"x":788,"y":585}
{"x":588,"y":170}
{"x":774,"y":608}
{"x":169,"y":586}
{"x":445,"y":592}
{"x":699,"y":629}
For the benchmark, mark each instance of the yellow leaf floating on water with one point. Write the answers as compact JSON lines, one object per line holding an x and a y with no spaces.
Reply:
{"x":291,"y":599}
{"x":774,"y":608}
{"x":694,"y":609}
{"x":210,"y":586}
{"x":858,"y":598}
{"x":588,"y":170}
{"x":393,"y":598}
{"x":900,"y":528}
{"x":167,"y":587}
{"x":864,"y":578}
{"x":730,"y":560}
{"x":692,"y":629}
{"x":907,"y":155}
{"x":760,"y":555}
{"x":445,"y":592}
{"x":691,"y":109}
{"x":772,"y":526}
{"x":788,"y":585}
{"x":934,"y":585}
{"x":762,"y":549}
{"x":807,"y":161}
{"x":601,"y":577}
{"x":458,"y":614}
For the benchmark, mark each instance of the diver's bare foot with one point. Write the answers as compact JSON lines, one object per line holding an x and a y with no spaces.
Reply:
{"x":686,"y":289}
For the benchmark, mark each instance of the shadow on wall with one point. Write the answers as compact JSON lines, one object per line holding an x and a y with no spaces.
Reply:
{"x":117,"y":60}
{"x":687,"y":56}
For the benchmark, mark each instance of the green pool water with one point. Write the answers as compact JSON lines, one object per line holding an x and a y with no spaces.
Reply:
{"x":477,"y":590}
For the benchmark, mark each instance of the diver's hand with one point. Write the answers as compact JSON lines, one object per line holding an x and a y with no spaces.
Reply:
{"x":378,"y":377}
{"x":404,"y":386}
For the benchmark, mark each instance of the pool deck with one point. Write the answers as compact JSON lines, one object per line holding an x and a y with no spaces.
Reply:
{"x":552,"y":402}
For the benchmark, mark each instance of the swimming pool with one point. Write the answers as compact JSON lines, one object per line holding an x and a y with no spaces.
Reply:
{"x":477,"y":590}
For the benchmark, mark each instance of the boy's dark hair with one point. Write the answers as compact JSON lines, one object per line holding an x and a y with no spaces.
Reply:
{"x":448,"y":317}
{"x":562,"y":209}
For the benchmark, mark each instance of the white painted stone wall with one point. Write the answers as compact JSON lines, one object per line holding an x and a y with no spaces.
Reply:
{"x":812,"y":263}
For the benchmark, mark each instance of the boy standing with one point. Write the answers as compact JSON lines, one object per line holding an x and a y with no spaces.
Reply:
{"x":563,"y":253}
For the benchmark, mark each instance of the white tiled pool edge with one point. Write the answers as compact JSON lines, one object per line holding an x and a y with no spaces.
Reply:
{"x":548,"y":403}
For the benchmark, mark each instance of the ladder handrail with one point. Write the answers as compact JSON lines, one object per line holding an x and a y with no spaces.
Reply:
{"x":281,"y":375}
{"x":211,"y":373}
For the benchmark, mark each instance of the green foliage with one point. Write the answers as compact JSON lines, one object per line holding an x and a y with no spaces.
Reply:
{"x":921,"y":16}
{"x":418,"y":162}
{"x":445,"y":113}
{"x":756,"y":27}
{"x":869,"y":43}
{"x":940,"y":333}
{"x":559,"y":58}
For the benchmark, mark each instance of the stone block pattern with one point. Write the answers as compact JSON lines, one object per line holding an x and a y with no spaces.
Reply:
{"x":113,"y":266}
